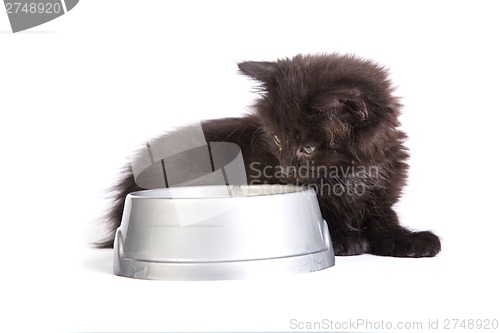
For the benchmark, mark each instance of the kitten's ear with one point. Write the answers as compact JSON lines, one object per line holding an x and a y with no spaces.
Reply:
{"x":347,"y":104}
{"x":259,"y":70}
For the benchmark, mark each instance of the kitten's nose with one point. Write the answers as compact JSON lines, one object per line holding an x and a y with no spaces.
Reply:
{"x":305,"y":150}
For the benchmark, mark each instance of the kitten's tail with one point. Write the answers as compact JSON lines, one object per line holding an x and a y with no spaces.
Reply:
{"x":113,"y":217}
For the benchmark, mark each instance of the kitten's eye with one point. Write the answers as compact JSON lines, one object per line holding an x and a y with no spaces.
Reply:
{"x":277,"y":141}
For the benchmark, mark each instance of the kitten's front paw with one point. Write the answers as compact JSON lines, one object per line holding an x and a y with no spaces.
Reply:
{"x":416,"y":245}
{"x":350,"y":245}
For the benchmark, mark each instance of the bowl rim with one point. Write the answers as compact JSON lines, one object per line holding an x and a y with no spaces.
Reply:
{"x":233,"y":191}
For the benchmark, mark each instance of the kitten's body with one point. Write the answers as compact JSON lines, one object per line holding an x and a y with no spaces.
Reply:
{"x":329,"y":122}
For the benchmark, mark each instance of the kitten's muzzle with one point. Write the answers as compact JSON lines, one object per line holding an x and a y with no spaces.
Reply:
{"x":297,"y":164}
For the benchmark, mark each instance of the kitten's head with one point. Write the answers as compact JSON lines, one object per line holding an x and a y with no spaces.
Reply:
{"x":325,"y":109}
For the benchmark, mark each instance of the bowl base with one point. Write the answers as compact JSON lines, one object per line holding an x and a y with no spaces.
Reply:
{"x":222,"y":270}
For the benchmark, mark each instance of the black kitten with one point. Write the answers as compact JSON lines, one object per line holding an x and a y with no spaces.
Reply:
{"x":329,"y":122}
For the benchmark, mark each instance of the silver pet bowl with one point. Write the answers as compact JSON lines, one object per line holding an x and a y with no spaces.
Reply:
{"x":221,"y":232}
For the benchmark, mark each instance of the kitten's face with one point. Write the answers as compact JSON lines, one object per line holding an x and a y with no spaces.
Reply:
{"x":322,"y":111}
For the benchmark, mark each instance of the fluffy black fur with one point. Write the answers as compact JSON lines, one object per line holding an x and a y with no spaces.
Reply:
{"x":329,"y":122}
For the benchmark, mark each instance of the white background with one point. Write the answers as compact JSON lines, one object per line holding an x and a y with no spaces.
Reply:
{"x":80,"y":93}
